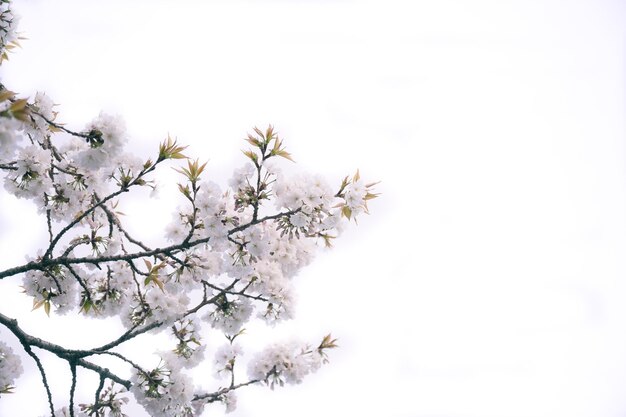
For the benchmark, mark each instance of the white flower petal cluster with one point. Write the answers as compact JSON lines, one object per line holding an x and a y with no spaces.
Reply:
{"x":241,"y":177}
{"x":258,"y":241}
{"x":38,"y":128}
{"x":267,"y":279}
{"x":163,"y":392}
{"x":166,"y":307}
{"x":230,"y":314}
{"x":108,"y":138}
{"x":355,"y":194}
{"x":109,"y":291}
{"x":10,"y":137}
{"x":30,"y":179}
{"x":52,"y":286}
{"x":284,"y":363}
{"x":230,"y":401}
{"x":10,"y":367}
{"x":290,"y":254}
{"x":8,"y":26}
{"x":174,"y":360}
{"x":304,"y":191}
{"x":201,"y":263}
{"x":225,"y":358}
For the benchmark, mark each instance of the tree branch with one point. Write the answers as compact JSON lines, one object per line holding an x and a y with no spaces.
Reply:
{"x":73,"y":387}
{"x":214,"y":396}
{"x":63,"y":353}
{"x":30,"y":352}
{"x":65,"y":260}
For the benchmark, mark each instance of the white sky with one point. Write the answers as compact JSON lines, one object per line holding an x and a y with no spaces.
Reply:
{"x":489,"y":279}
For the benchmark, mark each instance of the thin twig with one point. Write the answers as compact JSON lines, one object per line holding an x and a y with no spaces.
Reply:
{"x":73,"y":387}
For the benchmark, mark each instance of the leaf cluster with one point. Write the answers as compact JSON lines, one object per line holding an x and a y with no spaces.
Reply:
{"x":153,"y":274}
{"x":170,"y":149}
{"x":18,"y":108}
{"x":346,"y":211}
{"x":268,"y":144}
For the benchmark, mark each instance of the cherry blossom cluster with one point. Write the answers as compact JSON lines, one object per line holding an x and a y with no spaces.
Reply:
{"x":9,"y":38}
{"x":288,"y":362}
{"x":228,"y":257}
{"x":10,"y":368}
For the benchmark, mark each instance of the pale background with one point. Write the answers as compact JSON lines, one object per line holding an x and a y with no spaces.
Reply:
{"x":489,"y":279}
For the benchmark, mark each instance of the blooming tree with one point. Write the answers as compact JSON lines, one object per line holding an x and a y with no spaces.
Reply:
{"x":230,"y":257}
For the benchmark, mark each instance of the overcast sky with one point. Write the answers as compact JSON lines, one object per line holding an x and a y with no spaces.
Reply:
{"x":489,"y":279}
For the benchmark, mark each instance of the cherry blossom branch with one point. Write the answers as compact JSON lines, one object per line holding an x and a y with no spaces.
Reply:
{"x":116,"y":221}
{"x":58,"y":126}
{"x":125,"y":287}
{"x":68,"y":354}
{"x":80,"y":282}
{"x":137,"y":330}
{"x":10,"y":166}
{"x":49,"y":224}
{"x":264,"y":219}
{"x":121,"y":357}
{"x":66,"y":260}
{"x":42,"y":372}
{"x":73,"y":387}
{"x":78,"y":219}
{"x":128,"y":335}
{"x":96,"y":401}
{"x":103,"y":372}
{"x":212,"y":397}
{"x":242,"y":292}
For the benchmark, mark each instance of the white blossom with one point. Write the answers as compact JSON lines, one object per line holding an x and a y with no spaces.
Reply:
{"x":31,"y":179}
{"x":170,"y":397}
{"x":225,"y":358}
{"x":166,"y":307}
{"x":241,"y":176}
{"x":230,"y":315}
{"x":302,"y":190}
{"x":282,"y":363}
{"x":107,"y":137}
{"x":10,"y":137}
{"x":8,"y":26}
{"x":230,"y":401}
{"x":10,"y":366}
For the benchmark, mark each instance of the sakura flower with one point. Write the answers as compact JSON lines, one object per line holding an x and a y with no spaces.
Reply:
{"x":10,"y":367}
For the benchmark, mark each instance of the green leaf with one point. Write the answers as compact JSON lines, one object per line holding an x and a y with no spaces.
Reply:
{"x":253,"y":156}
{"x":343,"y":186}
{"x":184,"y":190}
{"x":284,"y":154}
{"x":269,"y":134}
{"x":6,"y":94}
{"x":328,"y":342}
{"x":253,"y":141}
{"x":346,"y":211}
{"x":327,"y":239}
{"x":258,"y":132}
{"x":170,"y":149}
{"x":7,"y":390}
{"x":193,"y":170}
{"x":37,"y":304}
{"x":158,"y":282}
{"x":86,"y":306}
